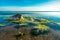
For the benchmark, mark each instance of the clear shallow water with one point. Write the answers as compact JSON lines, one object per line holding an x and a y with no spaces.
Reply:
{"x":36,"y":15}
{"x":53,"y":26}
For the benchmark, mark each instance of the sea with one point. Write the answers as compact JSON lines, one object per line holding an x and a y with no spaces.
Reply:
{"x":7,"y":14}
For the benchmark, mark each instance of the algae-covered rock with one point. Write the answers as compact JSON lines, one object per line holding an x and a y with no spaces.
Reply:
{"x":2,"y":25}
{"x":35,"y":31}
{"x":21,"y":33}
{"x":18,"y":18}
{"x":38,"y":30}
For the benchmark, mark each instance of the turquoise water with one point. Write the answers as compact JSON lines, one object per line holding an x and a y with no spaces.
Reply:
{"x":51,"y":25}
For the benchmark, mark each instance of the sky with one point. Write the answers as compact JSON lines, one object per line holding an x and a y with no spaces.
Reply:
{"x":22,"y":2}
{"x":31,"y":5}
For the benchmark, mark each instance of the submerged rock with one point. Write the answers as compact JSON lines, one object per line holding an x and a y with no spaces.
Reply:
{"x":35,"y":32}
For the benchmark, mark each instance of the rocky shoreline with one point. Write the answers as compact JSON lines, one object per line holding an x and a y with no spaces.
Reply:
{"x":8,"y":32}
{"x":24,"y":26}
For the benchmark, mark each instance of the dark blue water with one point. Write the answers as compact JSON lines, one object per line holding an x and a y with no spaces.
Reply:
{"x":8,"y":14}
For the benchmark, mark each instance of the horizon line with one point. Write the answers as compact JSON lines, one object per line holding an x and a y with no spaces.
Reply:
{"x":30,"y":11}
